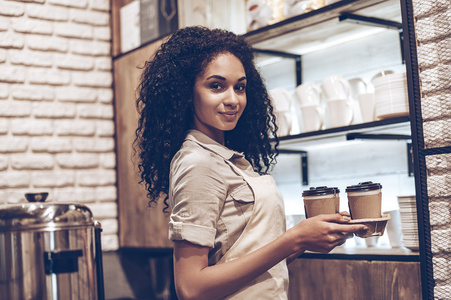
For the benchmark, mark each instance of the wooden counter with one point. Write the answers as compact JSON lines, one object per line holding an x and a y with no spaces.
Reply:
{"x":347,"y":279}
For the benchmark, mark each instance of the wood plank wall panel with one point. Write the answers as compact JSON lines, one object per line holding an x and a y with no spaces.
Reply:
{"x":395,"y":280}
{"x":140,"y":226}
{"x":326,"y":279}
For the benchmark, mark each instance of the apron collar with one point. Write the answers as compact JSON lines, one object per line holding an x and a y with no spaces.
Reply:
{"x":208,"y":143}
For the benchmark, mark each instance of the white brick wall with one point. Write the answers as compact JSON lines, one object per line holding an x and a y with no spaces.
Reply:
{"x":56,"y":105}
{"x":433,"y":32}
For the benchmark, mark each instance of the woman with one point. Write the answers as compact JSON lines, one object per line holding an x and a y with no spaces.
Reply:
{"x":204,"y":139}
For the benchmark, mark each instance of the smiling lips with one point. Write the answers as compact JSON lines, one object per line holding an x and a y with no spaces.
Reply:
{"x":229,"y":115}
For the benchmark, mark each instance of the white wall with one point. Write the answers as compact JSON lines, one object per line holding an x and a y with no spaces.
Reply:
{"x":56,"y":105}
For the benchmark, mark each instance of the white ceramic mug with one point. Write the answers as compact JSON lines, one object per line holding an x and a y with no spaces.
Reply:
{"x":295,"y":7}
{"x":284,"y":122}
{"x":367,"y":103}
{"x":312,"y":117}
{"x":371,"y":241}
{"x":308,"y":94}
{"x":340,"y":112}
{"x":281,"y":99}
{"x":258,"y":14}
{"x":358,"y":86}
{"x":336,"y":87}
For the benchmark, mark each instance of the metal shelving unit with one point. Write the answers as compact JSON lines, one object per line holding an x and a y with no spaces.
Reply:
{"x":337,"y":21}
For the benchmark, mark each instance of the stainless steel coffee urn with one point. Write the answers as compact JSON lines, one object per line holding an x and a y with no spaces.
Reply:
{"x":49,"y":251}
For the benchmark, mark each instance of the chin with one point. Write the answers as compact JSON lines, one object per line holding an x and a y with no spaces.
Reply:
{"x":229,"y":127}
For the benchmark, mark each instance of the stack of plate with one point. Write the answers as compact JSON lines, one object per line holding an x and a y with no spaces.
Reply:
{"x":391,"y":96}
{"x":409,"y":223}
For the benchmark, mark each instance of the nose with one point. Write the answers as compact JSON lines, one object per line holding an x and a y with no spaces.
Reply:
{"x":231,"y":98}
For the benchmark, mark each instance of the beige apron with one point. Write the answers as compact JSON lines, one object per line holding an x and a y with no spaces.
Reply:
{"x":265,"y":225}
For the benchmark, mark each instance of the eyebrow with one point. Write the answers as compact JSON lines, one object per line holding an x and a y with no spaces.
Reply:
{"x":223,"y":78}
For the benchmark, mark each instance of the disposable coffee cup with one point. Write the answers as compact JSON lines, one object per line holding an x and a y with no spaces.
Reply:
{"x":321,"y":200}
{"x":365,"y":200}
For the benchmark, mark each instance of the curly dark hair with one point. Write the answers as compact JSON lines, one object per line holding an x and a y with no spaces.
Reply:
{"x":165,"y":89}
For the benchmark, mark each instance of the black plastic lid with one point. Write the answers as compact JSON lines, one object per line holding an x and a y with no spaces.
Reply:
{"x":320,"y":190}
{"x":363,"y":186}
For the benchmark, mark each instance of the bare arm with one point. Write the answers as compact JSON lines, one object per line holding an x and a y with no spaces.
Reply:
{"x":194,"y":279}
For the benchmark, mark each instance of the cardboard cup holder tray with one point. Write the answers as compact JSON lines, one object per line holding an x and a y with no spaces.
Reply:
{"x":376,"y":227}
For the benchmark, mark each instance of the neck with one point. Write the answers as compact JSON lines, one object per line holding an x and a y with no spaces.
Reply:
{"x":215,"y":134}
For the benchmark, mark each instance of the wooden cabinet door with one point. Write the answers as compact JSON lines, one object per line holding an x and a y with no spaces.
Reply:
{"x":139,"y":225}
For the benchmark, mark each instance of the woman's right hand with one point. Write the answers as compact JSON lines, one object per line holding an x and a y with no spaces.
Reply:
{"x":323,"y":233}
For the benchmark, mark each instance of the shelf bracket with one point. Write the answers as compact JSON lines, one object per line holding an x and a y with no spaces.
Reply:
{"x":297,"y":60}
{"x":371,"y":21}
{"x":304,"y":162}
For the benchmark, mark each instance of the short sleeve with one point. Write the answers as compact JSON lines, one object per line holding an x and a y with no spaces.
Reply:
{"x":197,"y":195}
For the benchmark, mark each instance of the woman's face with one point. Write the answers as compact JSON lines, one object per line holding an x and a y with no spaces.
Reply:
{"x":219,"y":96}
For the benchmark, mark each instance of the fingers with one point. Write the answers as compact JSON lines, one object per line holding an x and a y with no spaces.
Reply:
{"x":325,"y":232}
{"x":337,"y":218}
{"x":347,"y":235}
{"x":337,"y":239}
{"x":338,"y":223}
{"x":345,"y":213}
{"x":350,"y":228}
{"x":341,"y":239}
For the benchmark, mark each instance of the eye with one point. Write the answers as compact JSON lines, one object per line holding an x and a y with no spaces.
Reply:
{"x":215,"y":86}
{"x":240,"y":87}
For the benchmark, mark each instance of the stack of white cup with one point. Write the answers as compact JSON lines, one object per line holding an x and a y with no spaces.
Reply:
{"x":309,"y":99}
